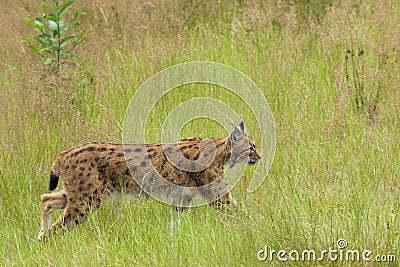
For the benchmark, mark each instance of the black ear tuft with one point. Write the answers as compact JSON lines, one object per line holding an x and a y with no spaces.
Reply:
{"x":241,"y":126}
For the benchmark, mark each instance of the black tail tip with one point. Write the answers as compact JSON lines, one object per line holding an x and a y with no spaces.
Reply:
{"x":53,"y":181}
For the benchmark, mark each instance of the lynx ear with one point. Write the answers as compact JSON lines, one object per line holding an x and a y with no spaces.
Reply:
{"x":239,"y":132}
{"x":241,"y":124}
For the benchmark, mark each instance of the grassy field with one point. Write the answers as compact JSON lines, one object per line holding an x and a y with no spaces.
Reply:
{"x":330,"y":72}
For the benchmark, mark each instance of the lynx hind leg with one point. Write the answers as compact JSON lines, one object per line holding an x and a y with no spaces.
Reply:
{"x":75,"y":213}
{"x":50,"y":203}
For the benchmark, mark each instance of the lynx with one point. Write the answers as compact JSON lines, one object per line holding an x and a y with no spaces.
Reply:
{"x":95,"y":171}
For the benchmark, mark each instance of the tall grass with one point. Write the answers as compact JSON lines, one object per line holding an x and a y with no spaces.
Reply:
{"x":335,"y":173}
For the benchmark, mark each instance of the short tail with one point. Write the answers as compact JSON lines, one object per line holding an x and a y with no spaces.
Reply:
{"x":55,"y":171}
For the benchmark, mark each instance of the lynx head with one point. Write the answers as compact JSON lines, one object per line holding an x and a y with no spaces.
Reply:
{"x":243,"y":148}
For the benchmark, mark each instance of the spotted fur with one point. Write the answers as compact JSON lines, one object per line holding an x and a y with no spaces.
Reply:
{"x":94,"y":171}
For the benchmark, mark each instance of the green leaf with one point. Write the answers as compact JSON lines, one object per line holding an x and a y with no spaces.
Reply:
{"x":26,"y":40}
{"x":65,"y":7}
{"x":50,"y":47}
{"x":39,"y":22}
{"x":47,"y":48}
{"x":29,"y":21}
{"x":83,"y":33}
{"x":34,"y":49}
{"x":51,"y":17}
{"x":46,"y":60}
{"x":74,"y":35}
{"x":42,"y":39}
{"x":72,"y":26}
{"x":77,"y":13}
{"x":54,"y":7}
{"x":46,"y":7}
{"x":53,"y":26}
{"x":80,"y":40}
{"x":70,"y":54}
{"x":63,"y":30}
{"x":63,"y":43}
{"x":53,"y":40}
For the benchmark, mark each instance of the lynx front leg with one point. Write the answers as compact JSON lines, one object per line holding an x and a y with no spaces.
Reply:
{"x":225,"y":201}
{"x":217,"y":194}
{"x":50,"y":203}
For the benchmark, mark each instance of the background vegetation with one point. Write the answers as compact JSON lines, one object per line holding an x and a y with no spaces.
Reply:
{"x":329,"y":69}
